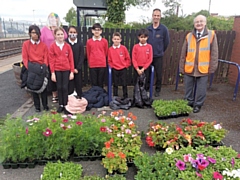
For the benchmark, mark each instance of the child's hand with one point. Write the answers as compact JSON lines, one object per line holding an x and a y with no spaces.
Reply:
{"x":75,"y":71}
{"x":71,"y":76}
{"x":142,"y":70}
{"x":139,"y":71}
{"x":53,"y":77}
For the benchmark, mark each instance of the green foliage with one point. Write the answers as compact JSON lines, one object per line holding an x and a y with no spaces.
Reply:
{"x":71,"y":17}
{"x":171,"y":107}
{"x":64,"y":171}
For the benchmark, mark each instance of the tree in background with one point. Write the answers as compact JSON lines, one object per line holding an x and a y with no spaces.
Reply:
{"x":116,"y":9}
{"x":71,"y":17}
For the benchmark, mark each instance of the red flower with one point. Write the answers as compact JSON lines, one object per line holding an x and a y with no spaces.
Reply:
{"x":238,"y":156}
{"x":189,"y":121}
{"x":54,"y":120}
{"x":122,"y":155}
{"x":111,"y":140}
{"x":107,"y":144}
{"x":200,"y":167}
{"x":149,"y":141}
{"x":64,"y":127}
{"x":217,"y":175}
{"x":65,"y":120}
{"x":103,"y":129}
{"x":26,"y":130}
{"x":93,"y":113}
{"x":53,"y":112}
{"x":110,"y":155}
{"x":47,"y":133}
{"x":201,"y":124}
{"x":79,"y":123}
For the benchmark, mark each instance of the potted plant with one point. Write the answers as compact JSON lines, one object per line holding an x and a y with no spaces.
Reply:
{"x":123,"y":138}
{"x":164,"y":109}
{"x":187,"y":133}
{"x":59,"y":170}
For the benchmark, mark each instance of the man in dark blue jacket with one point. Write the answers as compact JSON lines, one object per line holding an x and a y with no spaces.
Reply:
{"x":159,"y":39}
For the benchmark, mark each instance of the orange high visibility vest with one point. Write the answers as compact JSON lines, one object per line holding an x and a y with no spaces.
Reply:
{"x":203,"y":55}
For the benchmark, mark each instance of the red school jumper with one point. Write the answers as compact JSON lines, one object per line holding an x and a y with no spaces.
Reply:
{"x":118,"y":57}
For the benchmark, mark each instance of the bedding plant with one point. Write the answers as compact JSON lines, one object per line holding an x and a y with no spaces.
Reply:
{"x":124,"y":142}
{"x":186,"y":133}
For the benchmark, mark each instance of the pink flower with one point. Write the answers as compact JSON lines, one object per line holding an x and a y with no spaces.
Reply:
{"x":54,"y":120}
{"x":217,"y":176}
{"x":79,"y":123}
{"x":238,"y":156}
{"x":48,"y":132}
{"x":128,"y":131}
{"x":181,"y":165}
{"x":198,"y":174}
{"x":62,"y":125}
{"x":211,"y":160}
{"x":233,"y":162}
{"x":103,"y":120}
{"x":103,"y":129}
{"x":65,"y":120}
{"x":69,"y":126}
{"x":186,"y":157}
{"x":26,"y":130}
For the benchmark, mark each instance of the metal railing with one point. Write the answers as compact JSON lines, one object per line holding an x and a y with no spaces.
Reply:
{"x":11,"y":29}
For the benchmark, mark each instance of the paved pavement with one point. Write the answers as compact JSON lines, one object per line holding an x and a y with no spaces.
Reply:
{"x":218,"y":106}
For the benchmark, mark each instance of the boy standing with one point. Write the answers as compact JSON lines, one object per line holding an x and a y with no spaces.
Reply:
{"x":119,"y":61}
{"x":97,"y":48}
{"x":142,"y":55}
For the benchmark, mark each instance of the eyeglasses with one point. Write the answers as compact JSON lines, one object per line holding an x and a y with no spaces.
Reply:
{"x":201,"y":21}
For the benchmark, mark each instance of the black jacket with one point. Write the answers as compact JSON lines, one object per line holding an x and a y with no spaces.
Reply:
{"x":34,"y":77}
{"x":140,"y":97}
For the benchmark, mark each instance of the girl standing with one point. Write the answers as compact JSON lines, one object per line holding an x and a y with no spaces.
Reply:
{"x":35,"y":56}
{"x":61,"y":66}
{"x":78,"y":56}
{"x":47,"y":37}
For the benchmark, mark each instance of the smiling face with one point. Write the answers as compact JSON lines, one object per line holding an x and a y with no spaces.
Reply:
{"x":59,"y":35}
{"x":156,"y":16}
{"x":142,"y":39}
{"x":116,"y":40}
{"x":200,"y":23}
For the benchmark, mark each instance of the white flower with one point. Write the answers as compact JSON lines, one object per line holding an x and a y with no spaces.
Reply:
{"x":217,"y":126}
{"x":29,"y":120}
{"x":64,"y":116}
{"x":74,"y":117}
{"x":169,"y":150}
{"x":30,"y":124}
{"x":116,"y":118}
{"x":103,"y":112}
{"x":118,"y":135}
{"x":60,"y":174}
{"x":41,"y":176}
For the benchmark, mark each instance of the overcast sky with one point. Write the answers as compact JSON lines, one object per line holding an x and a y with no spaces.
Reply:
{"x":34,"y":10}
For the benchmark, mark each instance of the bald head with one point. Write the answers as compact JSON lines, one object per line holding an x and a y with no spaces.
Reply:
{"x":200,"y":22}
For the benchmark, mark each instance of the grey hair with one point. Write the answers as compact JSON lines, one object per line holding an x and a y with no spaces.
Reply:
{"x":202,"y":16}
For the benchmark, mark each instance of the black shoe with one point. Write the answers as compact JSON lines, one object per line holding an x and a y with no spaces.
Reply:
{"x":190,"y":104}
{"x":196,"y":109}
{"x":67,"y":112}
{"x":60,"y":109}
{"x":37,"y":110}
{"x":157,"y":94}
{"x":46,"y":108}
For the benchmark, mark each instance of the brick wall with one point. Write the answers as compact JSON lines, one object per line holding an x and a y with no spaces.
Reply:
{"x":233,"y":71}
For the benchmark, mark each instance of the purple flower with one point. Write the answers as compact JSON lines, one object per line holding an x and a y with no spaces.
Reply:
{"x":204,"y":162}
{"x":181,"y":165}
{"x":211,"y":160}
{"x":200,"y":156}
{"x":233,"y":162}
{"x":194,"y":163}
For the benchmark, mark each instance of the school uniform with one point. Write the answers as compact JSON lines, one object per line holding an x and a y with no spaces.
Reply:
{"x":78,"y":56}
{"x":119,"y":60}
{"x":96,"y":54}
{"x":61,"y":63}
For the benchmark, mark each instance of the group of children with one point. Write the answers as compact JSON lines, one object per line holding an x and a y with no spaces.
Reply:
{"x":65,"y":59}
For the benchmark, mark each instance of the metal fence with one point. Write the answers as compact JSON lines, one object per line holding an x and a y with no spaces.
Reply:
{"x":10,"y":29}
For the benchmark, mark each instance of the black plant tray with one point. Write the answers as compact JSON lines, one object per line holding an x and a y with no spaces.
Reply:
{"x":8,"y":165}
{"x":87,"y":158}
{"x":171,"y":116}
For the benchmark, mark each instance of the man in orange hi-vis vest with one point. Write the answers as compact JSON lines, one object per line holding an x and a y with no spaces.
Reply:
{"x":199,"y":58}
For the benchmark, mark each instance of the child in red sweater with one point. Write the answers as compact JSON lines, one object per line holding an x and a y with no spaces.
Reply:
{"x":35,"y":51}
{"x":97,"y":48}
{"x":61,"y":66}
{"x":119,"y":60}
{"x":142,"y":56}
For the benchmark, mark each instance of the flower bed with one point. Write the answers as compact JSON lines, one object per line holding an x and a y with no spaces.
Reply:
{"x":51,"y":137}
{"x":187,"y":133}
{"x":188,"y":163}
{"x":165,"y":109}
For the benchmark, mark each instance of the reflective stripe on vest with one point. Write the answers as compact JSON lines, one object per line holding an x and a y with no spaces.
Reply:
{"x":203,"y":54}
